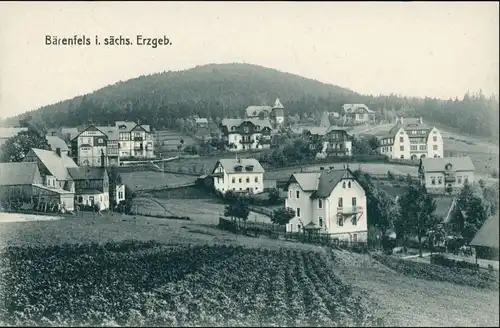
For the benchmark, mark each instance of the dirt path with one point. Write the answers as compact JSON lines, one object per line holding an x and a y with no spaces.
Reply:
{"x":406,"y":301}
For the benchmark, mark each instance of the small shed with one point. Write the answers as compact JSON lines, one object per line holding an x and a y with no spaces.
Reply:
{"x":486,"y":240}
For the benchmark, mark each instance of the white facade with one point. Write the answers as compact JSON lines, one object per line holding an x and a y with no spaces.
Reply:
{"x":446,"y":175}
{"x":342,"y":214}
{"x":90,"y":146}
{"x":120,"y":193}
{"x":236,"y":138}
{"x":101,"y":199}
{"x":227,"y":179}
{"x":412,"y":144}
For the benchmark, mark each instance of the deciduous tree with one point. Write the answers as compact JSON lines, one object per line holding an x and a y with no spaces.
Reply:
{"x":16,"y":147}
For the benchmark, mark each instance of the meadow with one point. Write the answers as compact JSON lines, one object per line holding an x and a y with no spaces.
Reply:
{"x":166,"y":141}
{"x":151,"y":179}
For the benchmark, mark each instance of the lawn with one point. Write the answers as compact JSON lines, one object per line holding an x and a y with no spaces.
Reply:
{"x":150,"y":284}
{"x":168,"y":140}
{"x":204,"y":211}
{"x":151,"y":179}
{"x":373,"y":168}
{"x":408,"y":302}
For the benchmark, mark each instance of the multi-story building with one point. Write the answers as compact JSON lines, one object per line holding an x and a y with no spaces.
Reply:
{"x":357,"y":114}
{"x":411,"y":138}
{"x":91,"y":186}
{"x":275,"y":113}
{"x":238,"y":175}
{"x":88,"y":147}
{"x":134,"y":140}
{"x":336,"y":141}
{"x":246,"y":134}
{"x":446,"y":175}
{"x":330,"y":202}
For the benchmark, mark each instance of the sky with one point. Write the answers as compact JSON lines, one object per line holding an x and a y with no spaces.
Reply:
{"x":435,"y":49}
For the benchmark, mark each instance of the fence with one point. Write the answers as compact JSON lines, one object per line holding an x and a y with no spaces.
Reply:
{"x":167,"y":187}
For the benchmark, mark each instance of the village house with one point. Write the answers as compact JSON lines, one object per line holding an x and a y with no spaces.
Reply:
{"x":56,"y":142}
{"x":411,"y":138}
{"x":7,"y":133}
{"x":246,"y":134}
{"x":276,"y":113}
{"x":330,"y":202}
{"x":446,"y":175}
{"x":238,"y":175}
{"x":336,"y":141}
{"x":135,"y":140}
{"x":53,"y":167}
{"x":354,"y":114}
{"x":486,"y":240}
{"x":91,"y":186}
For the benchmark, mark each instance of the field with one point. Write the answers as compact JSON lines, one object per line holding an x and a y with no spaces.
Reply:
{"x":200,"y":210}
{"x":151,"y":179}
{"x":207,"y":286}
{"x":145,"y":288}
{"x":373,"y":168}
{"x":168,"y":140}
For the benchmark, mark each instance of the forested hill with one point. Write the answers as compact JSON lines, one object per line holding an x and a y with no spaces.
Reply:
{"x":225,"y":90}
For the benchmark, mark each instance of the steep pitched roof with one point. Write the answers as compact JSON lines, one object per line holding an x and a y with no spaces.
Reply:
{"x":438,"y":164}
{"x":323,"y":130}
{"x":10,"y":132}
{"x":321,"y":183}
{"x":230,"y":122}
{"x":12,"y":174}
{"x":408,"y":124}
{"x":56,"y":142}
{"x":253,"y":111}
{"x":58,"y":166}
{"x":229,"y":165}
{"x":72,"y":132}
{"x":487,"y":236}
{"x":110,"y":131}
{"x":87,"y":172}
{"x":277,"y":104}
{"x":127,"y":126}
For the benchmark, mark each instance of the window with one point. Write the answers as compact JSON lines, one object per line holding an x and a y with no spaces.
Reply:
{"x":440,"y":180}
{"x":402,"y":148}
{"x":401,"y":139}
{"x":248,"y":180}
{"x":466,"y":180}
{"x":354,"y":220}
{"x":298,"y":212}
{"x":320,"y":220}
{"x":290,"y":194}
{"x":423,"y":147}
{"x":343,"y":184}
{"x":413,"y":147}
{"x":459,"y":179}
{"x":349,"y":184}
{"x":340,"y":220}
{"x":239,"y":180}
{"x":435,"y":147}
{"x":435,"y":138}
{"x":320,"y":203}
{"x":354,"y":201}
{"x":433,"y":181}
{"x":297,"y":194}
{"x":402,"y":156}
{"x":100,"y":140}
{"x":340,"y":202}
{"x":233,"y":180}
{"x":354,"y":237}
{"x":256,"y":179}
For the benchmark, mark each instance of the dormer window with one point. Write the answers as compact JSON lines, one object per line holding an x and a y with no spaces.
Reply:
{"x":349,"y":184}
{"x":448,"y":167}
{"x":121,"y":127}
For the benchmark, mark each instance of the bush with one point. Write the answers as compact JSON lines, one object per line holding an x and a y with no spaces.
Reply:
{"x":440,"y":259}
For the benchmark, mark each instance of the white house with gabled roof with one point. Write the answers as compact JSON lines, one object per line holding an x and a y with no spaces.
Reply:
{"x":238,"y":175}
{"x":329,"y":201}
{"x":411,"y":138}
{"x":446,"y":175}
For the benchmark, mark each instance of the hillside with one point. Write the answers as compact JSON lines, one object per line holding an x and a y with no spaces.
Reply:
{"x":222,"y":90}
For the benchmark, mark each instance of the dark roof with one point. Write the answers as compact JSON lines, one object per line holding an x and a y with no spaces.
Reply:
{"x":89,"y":192}
{"x":321,"y":183}
{"x":487,"y":236}
{"x":438,"y":164}
{"x":87,"y":173}
{"x":15,"y":174}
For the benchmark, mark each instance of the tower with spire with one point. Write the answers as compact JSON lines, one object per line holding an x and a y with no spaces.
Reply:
{"x":278,"y":112}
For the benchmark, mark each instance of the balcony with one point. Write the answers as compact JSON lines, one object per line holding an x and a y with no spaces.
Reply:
{"x":449,"y":177}
{"x":138,"y":139}
{"x":348,"y":210}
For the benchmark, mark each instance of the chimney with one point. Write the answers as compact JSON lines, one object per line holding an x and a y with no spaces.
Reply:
{"x":58,"y":152}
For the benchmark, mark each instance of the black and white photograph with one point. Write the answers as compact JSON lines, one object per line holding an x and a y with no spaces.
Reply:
{"x":249,"y":164}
